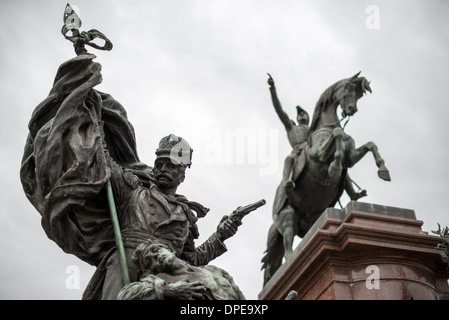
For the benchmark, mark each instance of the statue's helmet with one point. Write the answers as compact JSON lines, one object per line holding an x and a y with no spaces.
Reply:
{"x":302,"y":116}
{"x":176,"y":149}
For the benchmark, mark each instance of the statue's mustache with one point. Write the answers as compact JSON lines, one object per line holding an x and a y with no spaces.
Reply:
{"x":163,"y":175}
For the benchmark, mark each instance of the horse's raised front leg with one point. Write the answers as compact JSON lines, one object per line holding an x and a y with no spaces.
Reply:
{"x":354,"y":156}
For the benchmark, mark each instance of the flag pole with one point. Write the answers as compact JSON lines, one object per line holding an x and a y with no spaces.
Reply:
{"x":118,"y":235}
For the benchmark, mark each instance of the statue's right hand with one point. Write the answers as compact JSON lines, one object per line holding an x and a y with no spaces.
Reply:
{"x":270,"y":80}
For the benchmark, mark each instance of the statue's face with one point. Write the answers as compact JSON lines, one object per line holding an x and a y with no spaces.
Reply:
{"x":168,"y":174}
{"x":161,"y":257}
{"x":303,"y":118}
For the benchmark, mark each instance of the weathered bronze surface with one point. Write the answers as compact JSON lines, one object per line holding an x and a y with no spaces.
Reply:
{"x":315,"y":173}
{"x":164,"y":276}
{"x":72,"y":23}
{"x":80,"y":170}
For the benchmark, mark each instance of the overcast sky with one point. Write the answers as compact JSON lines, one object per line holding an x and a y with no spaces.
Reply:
{"x":198,"y":69}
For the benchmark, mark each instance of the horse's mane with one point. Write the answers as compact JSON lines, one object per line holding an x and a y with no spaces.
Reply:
{"x":325,"y":100}
{"x":361,"y":85}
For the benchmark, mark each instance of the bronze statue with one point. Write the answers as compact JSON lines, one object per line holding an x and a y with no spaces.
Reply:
{"x":98,"y":201}
{"x":164,"y":276}
{"x":315,"y":173}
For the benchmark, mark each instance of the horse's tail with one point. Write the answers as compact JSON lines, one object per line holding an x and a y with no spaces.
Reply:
{"x":272,"y":259}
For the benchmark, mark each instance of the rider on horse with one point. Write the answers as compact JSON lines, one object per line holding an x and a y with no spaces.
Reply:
{"x":297,"y":136}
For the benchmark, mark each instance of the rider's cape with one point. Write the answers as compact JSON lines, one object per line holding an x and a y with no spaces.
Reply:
{"x":63,"y":171}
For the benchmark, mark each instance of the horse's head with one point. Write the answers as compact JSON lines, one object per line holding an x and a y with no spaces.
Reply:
{"x":344,"y":93}
{"x":350,"y":91}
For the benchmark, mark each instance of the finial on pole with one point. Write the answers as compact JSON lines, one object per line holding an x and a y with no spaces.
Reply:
{"x":72,"y":22}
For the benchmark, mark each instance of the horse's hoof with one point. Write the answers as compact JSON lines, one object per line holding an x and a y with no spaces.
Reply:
{"x":357,"y":196}
{"x":384,"y":174}
{"x":288,"y":255}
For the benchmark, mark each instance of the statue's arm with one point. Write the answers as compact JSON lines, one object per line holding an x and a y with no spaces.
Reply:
{"x":119,"y":183}
{"x":206,"y":252}
{"x":149,"y":288}
{"x":278,"y":107}
{"x":214,"y":246}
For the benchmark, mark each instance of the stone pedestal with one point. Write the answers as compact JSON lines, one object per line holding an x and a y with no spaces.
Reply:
{"x":364,"y":251}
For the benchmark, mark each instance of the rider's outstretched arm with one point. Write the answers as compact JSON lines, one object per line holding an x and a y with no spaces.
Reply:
{"x":277,"y":105}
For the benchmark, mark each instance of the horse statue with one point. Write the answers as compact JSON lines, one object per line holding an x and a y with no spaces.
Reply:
{"x":315,"y":173}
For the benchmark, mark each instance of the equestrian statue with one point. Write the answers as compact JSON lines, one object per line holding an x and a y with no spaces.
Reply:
{"x":315,"y":173}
